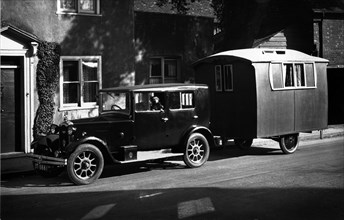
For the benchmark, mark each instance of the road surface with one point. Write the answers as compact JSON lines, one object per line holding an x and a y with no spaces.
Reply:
{"x":261,"y":183}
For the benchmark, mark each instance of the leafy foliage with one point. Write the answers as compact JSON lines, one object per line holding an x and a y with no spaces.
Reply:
{"x":47,"y":79}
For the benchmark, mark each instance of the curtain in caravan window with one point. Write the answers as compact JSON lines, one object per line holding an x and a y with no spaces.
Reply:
{"x":288,"y":75}
{"x":300,"y":74}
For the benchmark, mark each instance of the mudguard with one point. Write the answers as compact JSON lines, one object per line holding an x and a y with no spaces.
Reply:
{"x":197,"y":129}
{"x":99,"y":143}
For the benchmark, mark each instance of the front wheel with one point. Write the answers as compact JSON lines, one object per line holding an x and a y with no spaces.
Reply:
{"x":85,"y":164}
{"x":289,"y":143}
{"x":196,"y":151}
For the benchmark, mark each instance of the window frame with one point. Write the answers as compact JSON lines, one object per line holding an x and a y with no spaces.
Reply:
{"x":222,"y":74}
{"x":77,"y":10}
{"x":218,"y":76}
{"x":81,"y":82}
{"x":163,"y":60}
{"x":225,"y":82}
{"x":295,"y":84}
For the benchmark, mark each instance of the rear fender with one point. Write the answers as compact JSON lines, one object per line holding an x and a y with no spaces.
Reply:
{"x":99,"y":143}
{"x":197,"y":129}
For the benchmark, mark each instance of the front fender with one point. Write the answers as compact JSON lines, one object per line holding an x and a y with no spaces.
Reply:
{"x":99,"y":143}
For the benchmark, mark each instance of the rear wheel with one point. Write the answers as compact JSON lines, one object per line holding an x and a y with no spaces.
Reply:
{"x":85,"y":164}
{"x":289,"y":143}
{"x":243,"y":143}
{"x":196,"y":151}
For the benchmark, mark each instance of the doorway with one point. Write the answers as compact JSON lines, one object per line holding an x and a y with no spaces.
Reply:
{"x":12,"y":104}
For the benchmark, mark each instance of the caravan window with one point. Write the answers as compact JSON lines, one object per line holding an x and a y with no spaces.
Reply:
{"x":288,"y":75}
{"x":310,"y":78}
{"x":224,"y":78}
{"x":218,"y":78}
{"x":292,"y":75}
{"x":228,"y":78}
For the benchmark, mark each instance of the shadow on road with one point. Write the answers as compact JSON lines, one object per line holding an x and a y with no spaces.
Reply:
{"x":179,"y":203}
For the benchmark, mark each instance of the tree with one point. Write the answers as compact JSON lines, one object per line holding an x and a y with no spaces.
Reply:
{"x":243,"y":21}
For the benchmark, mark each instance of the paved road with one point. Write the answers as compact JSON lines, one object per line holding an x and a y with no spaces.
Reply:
{"x":261,"y":183}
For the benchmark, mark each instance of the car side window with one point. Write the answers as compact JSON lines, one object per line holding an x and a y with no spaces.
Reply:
{"x":187,"y":100}
{"x":181,"y":100}
{"x":174,"y":100}
{"x":149,"y":101}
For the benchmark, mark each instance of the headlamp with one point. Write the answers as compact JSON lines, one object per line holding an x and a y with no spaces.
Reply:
{"x":53,"y":129}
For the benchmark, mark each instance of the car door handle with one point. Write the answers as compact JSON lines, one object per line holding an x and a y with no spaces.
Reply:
{"x":164,"y":119}
{"x":195,"y":116}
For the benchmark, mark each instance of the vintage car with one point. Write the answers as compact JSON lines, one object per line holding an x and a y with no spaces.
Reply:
{"x":135,"y":123}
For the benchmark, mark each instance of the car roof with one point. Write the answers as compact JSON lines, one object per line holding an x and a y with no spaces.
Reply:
{"x":264,"y":55}
{"x":155,"y":87}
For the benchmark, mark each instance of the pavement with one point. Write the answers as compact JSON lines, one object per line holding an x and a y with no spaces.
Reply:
{"x":23,"y":164}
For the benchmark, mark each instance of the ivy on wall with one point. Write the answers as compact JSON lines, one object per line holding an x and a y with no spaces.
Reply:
{"x":47,"y":79}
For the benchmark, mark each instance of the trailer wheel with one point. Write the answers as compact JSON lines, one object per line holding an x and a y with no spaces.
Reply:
{"x":196,"y":151}
{"x":289,"y":143}
{"x":243,"y":143}
{"x":85,"y":164}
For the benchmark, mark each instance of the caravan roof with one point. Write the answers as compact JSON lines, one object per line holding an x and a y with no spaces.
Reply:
{"x":264,"y":55}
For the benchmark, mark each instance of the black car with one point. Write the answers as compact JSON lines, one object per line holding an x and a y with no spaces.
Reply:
{"x":135,"y":123}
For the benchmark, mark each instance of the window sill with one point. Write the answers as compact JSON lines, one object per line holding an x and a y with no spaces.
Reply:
{"x":77,"y":108}
{"x":75,"y":13}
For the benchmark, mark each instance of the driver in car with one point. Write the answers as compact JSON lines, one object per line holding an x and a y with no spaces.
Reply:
{"x":155,"y":103}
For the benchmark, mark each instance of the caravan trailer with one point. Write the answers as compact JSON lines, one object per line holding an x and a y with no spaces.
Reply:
{"x":265,"y":93}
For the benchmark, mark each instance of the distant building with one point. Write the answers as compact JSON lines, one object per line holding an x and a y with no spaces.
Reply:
{"x":168,"y":43}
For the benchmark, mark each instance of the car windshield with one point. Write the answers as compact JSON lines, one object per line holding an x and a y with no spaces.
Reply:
{"x":115,"y":102}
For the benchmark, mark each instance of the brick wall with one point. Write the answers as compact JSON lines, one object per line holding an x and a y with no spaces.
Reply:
{"x":332,"y":40}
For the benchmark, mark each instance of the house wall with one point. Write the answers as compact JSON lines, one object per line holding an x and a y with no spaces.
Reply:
{"x":328,"y":34}
{"x":109,"y":35}
{"x":187,"y":37}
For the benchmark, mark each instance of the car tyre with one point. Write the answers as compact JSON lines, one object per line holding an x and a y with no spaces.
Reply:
{"x":85,"y":164}
{"x":243,"y":144}
{"x":289,"y":143}
{"x":196,"y":151}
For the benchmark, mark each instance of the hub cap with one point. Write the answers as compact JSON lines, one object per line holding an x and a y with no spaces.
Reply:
{"x":195,"y":151}
{"x":85,"y":165}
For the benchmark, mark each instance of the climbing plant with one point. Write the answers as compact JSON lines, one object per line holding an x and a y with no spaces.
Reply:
{"x":47,"y":78}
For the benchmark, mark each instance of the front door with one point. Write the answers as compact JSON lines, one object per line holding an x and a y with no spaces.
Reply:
{"x":150,"y":120}
{"x":11,"y":104}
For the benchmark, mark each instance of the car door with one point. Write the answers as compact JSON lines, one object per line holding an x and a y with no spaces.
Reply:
{"x":150,"y":121}
{"x":181,"y":115}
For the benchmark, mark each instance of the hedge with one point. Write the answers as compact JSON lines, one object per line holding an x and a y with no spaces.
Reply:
{"x":47,"y":79}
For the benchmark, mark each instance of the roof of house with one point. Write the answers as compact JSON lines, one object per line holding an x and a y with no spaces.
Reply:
{"x":14,"y":31}
{"x":264,"y":55}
